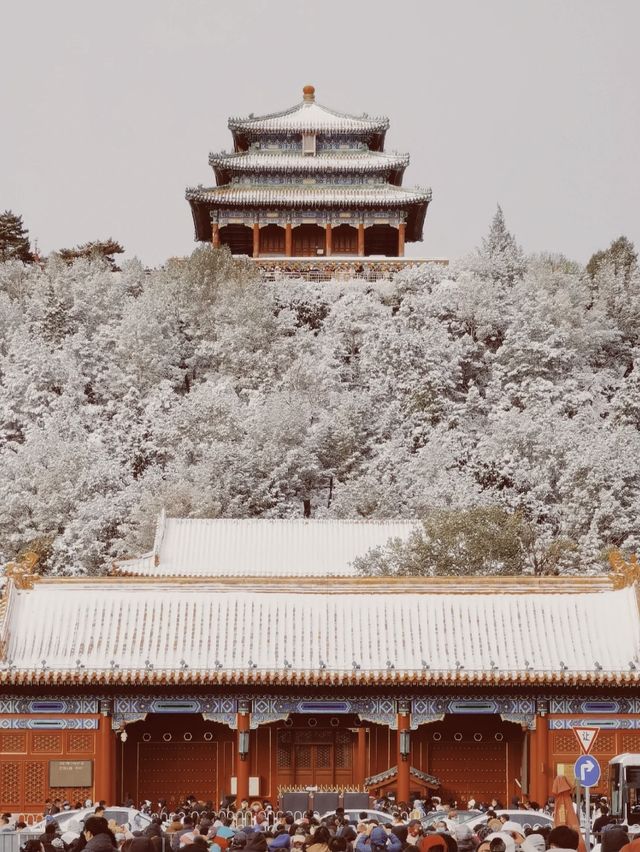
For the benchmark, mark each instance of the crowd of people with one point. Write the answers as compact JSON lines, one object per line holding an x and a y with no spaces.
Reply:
{"x":260,"y":828}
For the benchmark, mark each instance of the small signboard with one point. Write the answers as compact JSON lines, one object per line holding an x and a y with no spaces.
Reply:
{"x":587,"y":771}
{"x":70,"y":773}
{"x":586,"y":738}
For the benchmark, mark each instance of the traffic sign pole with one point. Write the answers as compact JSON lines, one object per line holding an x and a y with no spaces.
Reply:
{"x":587,"y":772}
{"x":587,"y":819}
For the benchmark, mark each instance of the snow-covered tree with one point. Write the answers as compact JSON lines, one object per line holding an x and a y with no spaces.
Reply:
{"x":499,"y":257}
{"x":491,"y":387}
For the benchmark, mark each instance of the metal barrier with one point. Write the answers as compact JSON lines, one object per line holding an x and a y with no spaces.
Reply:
{"x":12,"y":841}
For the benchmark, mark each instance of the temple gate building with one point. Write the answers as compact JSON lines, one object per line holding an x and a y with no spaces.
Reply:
{"x":309,"y":182}
{"x":247,"y":657}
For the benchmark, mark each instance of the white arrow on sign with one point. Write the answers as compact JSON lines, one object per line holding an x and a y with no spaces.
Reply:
{"x":587,"y":767}
{"x":586,"y":737}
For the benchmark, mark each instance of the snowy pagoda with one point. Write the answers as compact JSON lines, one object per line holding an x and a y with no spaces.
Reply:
{"x":309,"y":182}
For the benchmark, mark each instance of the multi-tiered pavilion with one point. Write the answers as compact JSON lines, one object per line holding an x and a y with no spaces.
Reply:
{"x":309,"y":182}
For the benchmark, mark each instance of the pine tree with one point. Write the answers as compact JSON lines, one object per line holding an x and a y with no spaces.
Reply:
{"x":14,"y":238}
{"x":55,"y":322}
{"x":502,"y":259}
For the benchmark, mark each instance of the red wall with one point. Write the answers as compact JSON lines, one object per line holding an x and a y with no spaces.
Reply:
{"x":24,"y":767}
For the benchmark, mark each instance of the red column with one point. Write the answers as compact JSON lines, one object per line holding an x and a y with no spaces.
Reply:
{"x":361,"y":756}
{"x":542,"y":731}
{"x":327,"y":240}
{"x":361,"y":240}
{"x":256,"y":240}
{"x":104,"y":769}
{"x":242,"y":761}
{"x":215,"y":235}
{"x":288,"y":239}
{"x":401,"y":230}
{"x":404,"y":763}
{"x":532,"y":737}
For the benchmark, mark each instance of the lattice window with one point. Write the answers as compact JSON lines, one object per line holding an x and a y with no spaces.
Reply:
{"x":34,"y":783}
{"x":80,"y":742}
{"x":284,"y":753}
{"x":606,"y":743}
{"x":344,"y":751}
{"x":323,"y":756}
{"x":13,"y":743}
{"x":10,"y":783}
{"x":47,"y":744}
{"x":565,"y":743}
{"x":303,"y":757}
{"x":630,"y":742}
{"x":71,"y":794}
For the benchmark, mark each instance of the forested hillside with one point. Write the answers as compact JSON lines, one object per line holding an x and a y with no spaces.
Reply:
{"x":500,"y":383}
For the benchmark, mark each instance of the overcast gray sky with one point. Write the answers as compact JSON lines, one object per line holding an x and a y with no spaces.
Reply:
{"x":109,"y":109}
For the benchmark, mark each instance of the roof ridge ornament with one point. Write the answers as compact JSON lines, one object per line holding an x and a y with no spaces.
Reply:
{"x":624,"y":572}
{"x":308,"y":94}
{"x":22,"y":572}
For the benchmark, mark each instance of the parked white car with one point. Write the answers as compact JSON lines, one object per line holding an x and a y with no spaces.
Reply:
{"x":532,"y":818}
{"x":73,"y":820}
{"x":353,"y":815}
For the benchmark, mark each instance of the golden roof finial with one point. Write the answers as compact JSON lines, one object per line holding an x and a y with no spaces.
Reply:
{"x":623,"y":572}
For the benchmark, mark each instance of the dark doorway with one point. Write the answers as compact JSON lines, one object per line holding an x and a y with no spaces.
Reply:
{"x":382,"y":240}
{"x":344,"y":240}
{"x":272,"y":240}
{"x":239,"y":238}
{"x":308,"y":241}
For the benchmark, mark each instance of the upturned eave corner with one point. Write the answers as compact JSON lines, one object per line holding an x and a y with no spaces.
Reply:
{"x":624,"y":571}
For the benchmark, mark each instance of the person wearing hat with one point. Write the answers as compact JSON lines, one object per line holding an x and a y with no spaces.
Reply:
{"x":379,"y":841}
{"x":500,"y":841}
{"x":534,"y":842}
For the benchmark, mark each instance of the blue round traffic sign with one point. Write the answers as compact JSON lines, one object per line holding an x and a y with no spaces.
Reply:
{"x":587,"y":770}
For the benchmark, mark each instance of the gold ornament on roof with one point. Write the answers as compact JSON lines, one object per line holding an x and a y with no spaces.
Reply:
{"x":624,"y":572}
{"x":22,"y":572}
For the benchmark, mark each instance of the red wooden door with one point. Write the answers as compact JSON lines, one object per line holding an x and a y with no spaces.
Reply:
{"x":470,"y":769}
{"x":173,"y":771}
{"x":314,"y":764}
{"x":308,"y":240}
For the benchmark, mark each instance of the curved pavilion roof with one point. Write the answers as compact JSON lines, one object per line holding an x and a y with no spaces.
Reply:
{"x":324,"y":162}
{"x":310,"y":117}
{"x":296,"y":195}
{"x":355,"y":197}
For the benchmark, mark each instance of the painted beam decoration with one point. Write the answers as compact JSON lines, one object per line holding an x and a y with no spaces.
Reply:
{"x":266,"y":709}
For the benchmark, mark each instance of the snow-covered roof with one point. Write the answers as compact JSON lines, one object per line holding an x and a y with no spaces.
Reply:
{"x":310,"y":117}
{"x":320,"y":195}
{"x":122,"y":630}
{"x":252,"y":547}
{"x":332,"y":161}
